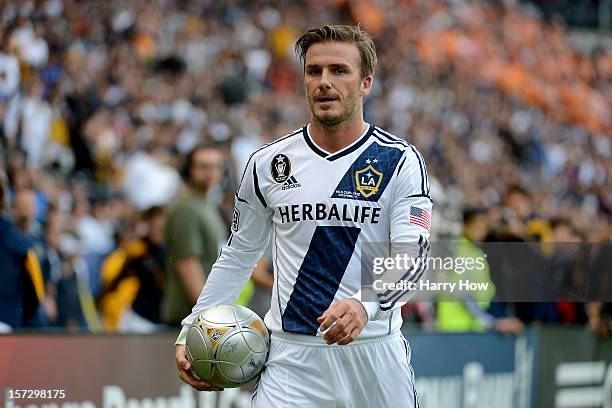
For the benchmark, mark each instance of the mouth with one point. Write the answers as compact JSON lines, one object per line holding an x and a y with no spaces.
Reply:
{"x":325,"y":99}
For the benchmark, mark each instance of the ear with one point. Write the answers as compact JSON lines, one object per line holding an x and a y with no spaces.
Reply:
{"x":366,"y":85}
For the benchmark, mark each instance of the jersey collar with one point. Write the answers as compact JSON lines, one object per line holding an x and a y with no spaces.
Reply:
{"x":340,"y":153}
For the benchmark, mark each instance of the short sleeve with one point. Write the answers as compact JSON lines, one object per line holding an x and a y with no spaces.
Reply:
{"x":183,"y":236}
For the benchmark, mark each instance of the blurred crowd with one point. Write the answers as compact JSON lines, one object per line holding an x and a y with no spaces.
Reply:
{"x":101,"y":102}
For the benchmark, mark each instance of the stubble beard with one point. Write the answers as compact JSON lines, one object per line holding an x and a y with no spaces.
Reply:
{"x":334,"y":121}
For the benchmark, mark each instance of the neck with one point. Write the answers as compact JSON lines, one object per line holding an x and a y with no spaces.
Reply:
{"x":474,"y":237}
{"x":336,"y":137}
{"x":22,"y":225}
{"x":199,"y":192}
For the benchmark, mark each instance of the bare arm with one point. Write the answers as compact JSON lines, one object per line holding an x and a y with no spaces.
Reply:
{"x":192,"y":277}
{"x":260,"y":275}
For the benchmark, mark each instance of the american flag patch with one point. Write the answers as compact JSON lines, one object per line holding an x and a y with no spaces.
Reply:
{"x":420,"y":217}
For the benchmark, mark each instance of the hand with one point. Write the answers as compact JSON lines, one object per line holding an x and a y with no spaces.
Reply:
{"x":600,"y":326}
{"x":509,"y":325}
{"x":184,"y":368}
{"x":50,"y":306}
{"x":345,"y":320}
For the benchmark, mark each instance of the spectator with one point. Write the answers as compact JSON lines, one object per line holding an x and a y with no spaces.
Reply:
{"x":52,"y":262}
{"x":133,"y":280}
{"x":470,"y":312}
{"x":194,"y":234}
{"x":567,"y":273}
{"x":21,"y":280}
{"x":70,"y":314}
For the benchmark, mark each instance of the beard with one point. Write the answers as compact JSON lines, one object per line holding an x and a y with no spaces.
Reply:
{"x":330,"y":118}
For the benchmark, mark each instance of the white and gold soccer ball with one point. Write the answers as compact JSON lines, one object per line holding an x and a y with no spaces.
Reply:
{"x":227,"y":345}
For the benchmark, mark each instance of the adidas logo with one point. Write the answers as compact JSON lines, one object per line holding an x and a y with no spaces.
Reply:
{"x":290,"y":183}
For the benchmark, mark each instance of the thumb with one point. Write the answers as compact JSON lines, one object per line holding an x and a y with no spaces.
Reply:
{"x":186,"y":365}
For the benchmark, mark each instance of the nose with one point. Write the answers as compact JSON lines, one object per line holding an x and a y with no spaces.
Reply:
{"x":325,"y":82}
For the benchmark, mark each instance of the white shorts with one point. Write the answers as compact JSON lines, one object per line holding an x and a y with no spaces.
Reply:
{"x":302,"y":371}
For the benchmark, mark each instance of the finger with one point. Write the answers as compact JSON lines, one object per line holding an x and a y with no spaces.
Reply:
{"x":340,"y":330}
{"x":350,"y":338}
{"x":331,"y":315}
{"x":338,"y":327}
{"x":335,"y":338}
{"x":196,"y":383}
{"x":185,"y":365}
{"x":329,"y":322}
{"x":182,"y":361}
{"x":190,"y":378}
{"x":326,"y":314}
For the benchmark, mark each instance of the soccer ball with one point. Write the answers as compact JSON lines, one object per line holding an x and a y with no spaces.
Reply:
{"x":227,"y":345}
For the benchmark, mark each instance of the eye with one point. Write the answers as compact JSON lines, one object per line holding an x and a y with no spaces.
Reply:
{"x":314,"y":71}
{"x":340,"y":70}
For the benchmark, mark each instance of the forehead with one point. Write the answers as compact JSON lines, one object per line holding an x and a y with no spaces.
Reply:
{"x":23,"y":196}
{"x":206,"y":155}
{"x":333,"y":52}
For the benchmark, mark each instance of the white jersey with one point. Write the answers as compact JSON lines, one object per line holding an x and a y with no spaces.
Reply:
{"x":317,"y":209}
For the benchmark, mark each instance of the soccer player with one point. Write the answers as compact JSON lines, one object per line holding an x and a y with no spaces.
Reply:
{"x":320,"y":194}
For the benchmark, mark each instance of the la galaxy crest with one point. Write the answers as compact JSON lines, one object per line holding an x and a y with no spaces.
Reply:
{"x":368,"y":180}
{"x":281,"y":168}
{"x":368,"y":177}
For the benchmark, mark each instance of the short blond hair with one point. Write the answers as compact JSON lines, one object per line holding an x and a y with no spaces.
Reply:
{"x":341,"y":33}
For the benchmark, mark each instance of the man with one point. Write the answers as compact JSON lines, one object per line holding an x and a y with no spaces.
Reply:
{"x":24,"y":209}
{"x":132,"y":279}
{"x":476,"y":312}
{"x":321,"y":193}
{"x":193,"y":235}
{"x":21,"y":281}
